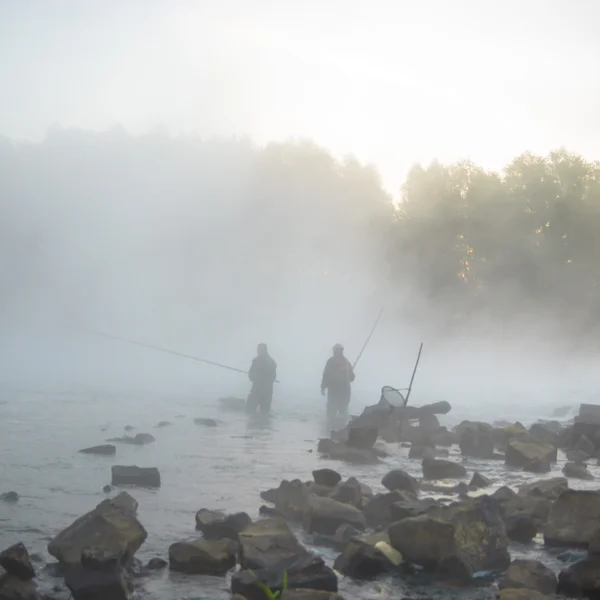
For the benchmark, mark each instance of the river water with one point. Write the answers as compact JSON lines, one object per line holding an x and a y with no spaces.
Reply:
{"x":223,"y":467}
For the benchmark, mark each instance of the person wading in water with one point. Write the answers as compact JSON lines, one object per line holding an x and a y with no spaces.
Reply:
{"x":262,"y":374}
{"x":337,"y":377}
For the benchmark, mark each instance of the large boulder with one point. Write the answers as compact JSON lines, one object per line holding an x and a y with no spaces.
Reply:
{"x":15,"y":561}
{"x":469,"y":533}
{"x":109,"y":526}
{"x":368,"y":557}
{"x":99,"y":576}
{"x":217,"y":526}
{"x":529,"y":574}
{"x":348,"y":492}
{"x":583,"y":444}
{"x":305,"y":572}
{"x":326,"y":477}
{"x":266,"y":542}
{"x":479,"y":481}
{"x":476,"y":441}
{"x":525,"y":517}
{"x":344,"y":452}
{"x":405,"y":509}
{"x":132,"y":475}
{"x":325,"y":515}
{"x":545,"y":433}
{"x":530,"y":456}
{"x":581,"y":579}
{"x":13,"y":588}
{"x":437,"y":468}
{"x":290,"y":498}
{"x":202,"y":557}
{"x":573,"y":519}
{"x":400,"y":480}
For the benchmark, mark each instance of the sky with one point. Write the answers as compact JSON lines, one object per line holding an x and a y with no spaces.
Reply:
{"x":392,"y":82}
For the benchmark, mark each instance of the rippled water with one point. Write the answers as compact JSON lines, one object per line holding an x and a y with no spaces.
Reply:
{"x":224,"y":468}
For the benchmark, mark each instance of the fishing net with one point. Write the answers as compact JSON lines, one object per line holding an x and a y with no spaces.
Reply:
{"x":392,"y":397}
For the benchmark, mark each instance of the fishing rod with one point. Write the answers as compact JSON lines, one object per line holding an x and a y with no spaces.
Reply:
{"x":413,"y":374}
{"x":174,"y":352}
{"x":368,"y":339}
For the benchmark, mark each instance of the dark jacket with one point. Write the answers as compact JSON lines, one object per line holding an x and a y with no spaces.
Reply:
{"x":338,"y":373}
{"x":263,"y":371}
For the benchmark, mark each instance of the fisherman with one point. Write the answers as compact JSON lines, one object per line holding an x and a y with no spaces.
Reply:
{"x":337,"y":377}
{"x":262,"y":374}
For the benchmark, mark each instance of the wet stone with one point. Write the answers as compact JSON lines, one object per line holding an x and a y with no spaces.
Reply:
{"x":133,"y":475}
{"x":15,"y":561}
{"x":103,"y":450}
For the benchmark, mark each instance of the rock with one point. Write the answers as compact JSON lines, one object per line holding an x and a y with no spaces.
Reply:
{"x":104,"y":450}
{"x":290,"y":498}
{"x":520,"y":528}
{"x":123,"y":500}
{"x":132,"y":475}
{"x":581,"y":579}
{"x":107,"y":526}
{"x":343,"y":452}
{"x":577,"y":456}
{"x":547,"y":488}
{"x":529,"y":456}
{"x":434,"y":468}
{"x":343,"y":534}
{"x":106,"y":583}
{"x":524,"y":516}
{"x":576,"y":471}
{"x":473,"y":425}
{"x":520,"y":594}
{"x":421,"y":451}
{"x":348,"y":492}
{"x":206,"y":422}
{"x":503,"y":494}
{"x":478,"y":481}
{"x":327,"y":477}
{"x":107,"y":489}
{"x":363,"y":438}
{"x":325,"y":515}
{"x":411,"y":508}
{"x":368,"y":557}
{"x":400,"y":480}
{"x":10,"y":497}
{"x":544,"y":434}
{"x":443,"y":437}
{"x":378,"y":510}
{"x":266,"y":542}
{"x":221,"y":526}
{"x":561,"y":411}
{"x":305,"y":572}
{"x":202,"y":557}
{"x":502,"y":436}
{"x":139,"y":439}
{"x":319,"y":490}
{"x":476,"y":441}
{"x":529,"y":574}
{"x":470,"y":533}
{"x":163,"y":424}
{"x":13,"y":588}
{"x":309,"y":595}
{"x":129,"y":428}
{"x":583,"y":444}
{"x":156,"y":564}
{"x":573,"y":519}
{"x":15,"y":561}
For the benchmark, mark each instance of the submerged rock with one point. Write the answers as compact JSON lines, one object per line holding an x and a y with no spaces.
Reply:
{"x":104,"y":450}
{"x":15,"y":561}
{"x":325,"y":515}
{"x":305,"y":572}
{"x":205,"y":422}
{"x":368,"y":557}
{"x":327,"y":477}
{"x":9,"y":497}
{"x":400,"y":480}
{"x":217,"y":526}
{"x":108,"y":527}
{"x":479,"y":481}
{"x":435,"y":468}
{"x":267,"y":542}
{"x":202,"y":557}
{"x":132,"y":475}
{"x":139,"y":439}
{"x":577,"y":471}
{"x":573,"y":519}
{"x":531,"y":575}
{"x":344,"y":452}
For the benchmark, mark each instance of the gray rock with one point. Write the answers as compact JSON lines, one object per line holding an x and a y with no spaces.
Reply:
{"x":325,"y":515}
{"x":434,"y":468}
{"x":400,"y":480}
{"x":15,"y":561}
{"x":202,"y":557}
{"x":13,"y":588}
{"x":529,"y":574}
{"x":138,"y":476}
{"x":577,"y":471}
{"x":104,"y":450}
{"x":573,"y":519}
{"x":327,"y":477}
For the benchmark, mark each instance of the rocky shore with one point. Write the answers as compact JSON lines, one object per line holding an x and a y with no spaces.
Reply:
{"x":450,"y":532}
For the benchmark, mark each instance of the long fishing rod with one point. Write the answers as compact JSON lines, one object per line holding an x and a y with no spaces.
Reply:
{"x":413,"y":374}
{"x":368,"y":339}
{"x":174,"y":352}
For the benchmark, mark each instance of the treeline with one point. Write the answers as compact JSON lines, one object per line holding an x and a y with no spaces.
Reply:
{"x":100,"y":217}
